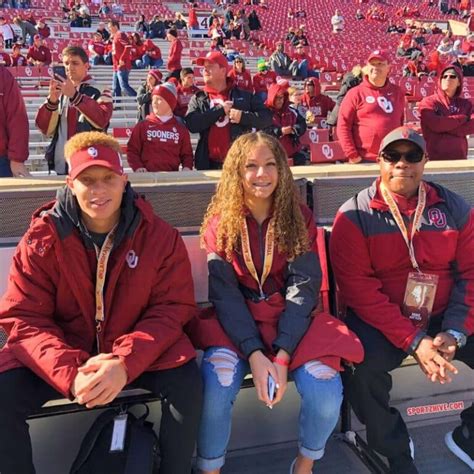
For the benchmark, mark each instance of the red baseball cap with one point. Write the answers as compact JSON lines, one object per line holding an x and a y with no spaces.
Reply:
{"x":379,"y":54}
{"x":213,"y":57}
{"x":97,"y":155}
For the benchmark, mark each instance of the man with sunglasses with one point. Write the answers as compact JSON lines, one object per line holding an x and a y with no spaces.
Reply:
{"x":402,"y":252}
{"x":446,"y":118}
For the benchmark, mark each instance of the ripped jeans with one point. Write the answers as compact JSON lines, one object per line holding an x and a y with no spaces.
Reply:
{"x":223,"y":371}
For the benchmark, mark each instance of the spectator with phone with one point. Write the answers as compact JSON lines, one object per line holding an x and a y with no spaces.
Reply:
{"x":75,"y":104}
{"x":221,"y":112}
{"x":263,"y":319}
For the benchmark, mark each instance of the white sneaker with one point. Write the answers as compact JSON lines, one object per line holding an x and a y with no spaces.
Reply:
{"x":292,"y":466}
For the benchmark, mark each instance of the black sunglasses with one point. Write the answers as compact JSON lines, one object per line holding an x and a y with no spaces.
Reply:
{"x":393,"y":156}
{"x":450,"y":76}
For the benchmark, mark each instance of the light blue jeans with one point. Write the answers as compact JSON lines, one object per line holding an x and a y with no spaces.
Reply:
{"x":223,"y":374}
{"x":120,"y":84}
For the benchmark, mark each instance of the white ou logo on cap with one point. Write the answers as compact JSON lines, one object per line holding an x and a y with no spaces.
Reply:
{"x":92,"y":152}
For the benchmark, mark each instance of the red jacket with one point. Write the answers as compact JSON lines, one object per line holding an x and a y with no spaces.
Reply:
{"x":121,"y":51}
{"x":159,"y":146}
{"x":48,"y":309}
{"x":446,"y":122}
{"x":5,"y":59}
{"x":19,"y":60}
{"x":242,"y":80}
{"x":151,"y":49}
{"x":174,"y":55}
{"x":42,"y":54}
{"x":96,"y":47}
{"x":371,"y":263}
{"x":137,"y":51}
{"x":320,"y":105}
{"x":44,"y":32}
{"x":366,"y":115}
{"x":192,"y":18}
{"x":184,"y":96}
{"x":243,"y":322}
{"x":262,"y":81}
{"x":14,"y":128}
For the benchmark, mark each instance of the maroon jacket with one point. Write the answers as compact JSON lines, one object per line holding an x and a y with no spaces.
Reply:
{"x":446,"y":122}
{"x":14,"y":128}
{"x":367,"y":113}
{"x":174,"y":55}
{"x":42,"y":54}
{"x":371,"y":263}
{"x":319,"y":104}
{"x":121,"y":51}
{"x":159,"y":146}
{"x":48,"y":309}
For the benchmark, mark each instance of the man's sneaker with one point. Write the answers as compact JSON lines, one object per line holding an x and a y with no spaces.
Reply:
{"x":402,"y":464}
{"x":412,"y":449}
{"x":461,"y":444}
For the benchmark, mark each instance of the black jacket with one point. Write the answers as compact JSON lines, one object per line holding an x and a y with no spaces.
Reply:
{"x":201,"y":117}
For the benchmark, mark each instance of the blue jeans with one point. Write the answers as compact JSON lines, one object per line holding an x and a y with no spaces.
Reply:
{"x":120,"y":82}
{"x":147,"y":62}
{"x":321,"y":400}
{"x":5,"y":170}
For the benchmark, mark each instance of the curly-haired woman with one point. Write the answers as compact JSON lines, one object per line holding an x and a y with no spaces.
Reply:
{"x":264,"y":279}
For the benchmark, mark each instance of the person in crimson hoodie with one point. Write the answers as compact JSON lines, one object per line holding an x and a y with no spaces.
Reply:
{"x":382,"y":287}
{"x":447,"y":118}
{"x":17,"y":59}
{"x":369,"y":111}
{"x":160,"y":142}
{"x":64,"y":342}
{"x":14,"y":128}
{"x":96,"y":49}
{"x":38,"y":54}
{"x":221,"y":112}
{"x":263,"y":79}
{"x":265,"y":325}
{"x":151,"y":57}
{"x":192,"y":17}
{"x":43,"y":29}
{"x":239,"y":74}
{"x":137,"y":50}
{"x":121,"y":60}
{"x":316,"y":104}
{"x":174,"y":54}
{"x":186,"y":89}
{"x":288,"y":125}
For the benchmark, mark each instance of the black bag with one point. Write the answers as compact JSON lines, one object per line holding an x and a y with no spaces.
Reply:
{"x":139,"y":454}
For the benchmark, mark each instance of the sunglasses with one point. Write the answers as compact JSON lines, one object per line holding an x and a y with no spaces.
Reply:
{"x":450,"y":76}
{"x":414,"y":156}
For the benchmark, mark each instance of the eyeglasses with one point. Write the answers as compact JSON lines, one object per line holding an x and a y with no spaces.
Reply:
{"x":449,"y":76}
{"x":393,"y":156}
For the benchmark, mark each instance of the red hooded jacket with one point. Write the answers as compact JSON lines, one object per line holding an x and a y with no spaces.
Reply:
{"x":242,"y":80}
{"x":320,"y":105}
{"x":151,"y":49}
{"x":174,"y":55}
{"x":48,"y":310}
{"x":14,"y":128}
{"x":285,"y":117}
{"x":263,"y":80}
{"x":366,"y":115}
{"x":121,"y":51}
{"x":159,"y":146}
{"x":446,"y":122}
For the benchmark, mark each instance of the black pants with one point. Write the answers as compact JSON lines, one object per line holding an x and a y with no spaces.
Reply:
{"x":368,"y":388}
{"x":22,"y":393}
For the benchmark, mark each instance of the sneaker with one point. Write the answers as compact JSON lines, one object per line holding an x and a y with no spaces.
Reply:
{"x":402,"y":464}
{"x":461,"y":444}
{"x":292,"y":466}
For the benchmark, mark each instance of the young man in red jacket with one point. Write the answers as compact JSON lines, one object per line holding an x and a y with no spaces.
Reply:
{"x":318,"y":104}
{"x":82,"y":325}
{"x":186,"y":90}
{"x":446,"y":118}
{"x":174,"y":55}
{"x":369,"y":111}
{"x":121,"y":60}
{"x":409,"y":289}
{"x":14,"y":129}
{"x":160,"y":142}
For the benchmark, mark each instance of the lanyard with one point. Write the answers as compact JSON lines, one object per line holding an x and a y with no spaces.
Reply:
{"x":102,"y":259}
{"x":268,"y":257}
{"x":392,"y":205}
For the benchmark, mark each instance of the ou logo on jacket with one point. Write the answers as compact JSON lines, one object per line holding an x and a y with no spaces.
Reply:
{"x":224,"y":120}
{"x":313,"y":136}
{"x":132,"y":259}
{"x":437,"y":218}
{"x":328,"y":152}
{"x":385,"y":105}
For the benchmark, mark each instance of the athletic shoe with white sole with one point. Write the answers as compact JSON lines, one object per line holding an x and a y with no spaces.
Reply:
{"x":461,"y":444}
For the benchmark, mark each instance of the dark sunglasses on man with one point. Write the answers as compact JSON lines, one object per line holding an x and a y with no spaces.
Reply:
{"x":394,"y":156}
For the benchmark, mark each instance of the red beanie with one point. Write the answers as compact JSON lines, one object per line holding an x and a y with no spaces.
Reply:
{"x":168,"y":92}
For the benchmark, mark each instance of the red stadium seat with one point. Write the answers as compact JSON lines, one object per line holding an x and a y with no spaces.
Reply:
{"x":328,"y":152}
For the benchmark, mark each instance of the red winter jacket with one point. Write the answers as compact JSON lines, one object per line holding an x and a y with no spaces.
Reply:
{"x":48,"y":309}
{"x":121,"y":52}
{"x":366,"y":115}
{"x":320,"y":105}
{"x":14,"y":128}
{"x":174,"y":55}
{"x":446,"y":122}
{"x":151,"y":49}
{"x":184,"y":96}
{"x":285,"y":117}
{"x":159,"y":146}
{"x":42,"y":54}
{"x":263,"y":80}
{"x":242,"y":80}
{"x":371,"y":263}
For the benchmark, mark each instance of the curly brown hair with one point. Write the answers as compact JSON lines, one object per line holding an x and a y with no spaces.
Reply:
{"x":291,"y":235}
{"x":81,"y":141}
